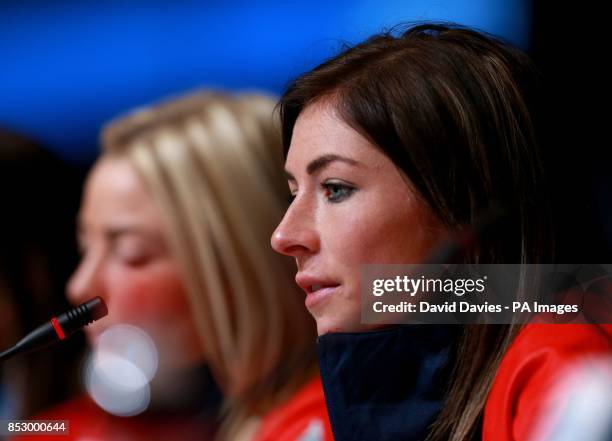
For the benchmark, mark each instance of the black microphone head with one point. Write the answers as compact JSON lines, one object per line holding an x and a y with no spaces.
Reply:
{"x":97,"y":308}
{"x":60,"y":327}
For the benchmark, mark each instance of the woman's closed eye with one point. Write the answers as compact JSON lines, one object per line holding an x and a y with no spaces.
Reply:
{"x":337,"y":191}
{"x":133,"y":252}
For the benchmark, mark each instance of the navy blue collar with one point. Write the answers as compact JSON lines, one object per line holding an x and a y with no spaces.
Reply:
{"x":387,"y":384}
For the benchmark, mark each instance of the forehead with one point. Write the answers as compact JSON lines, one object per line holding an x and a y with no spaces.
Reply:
{"x":114,"y":179}
{"x":115,"y":193}
{"x":319,"y":130}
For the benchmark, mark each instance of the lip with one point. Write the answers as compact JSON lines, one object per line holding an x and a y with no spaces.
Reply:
{"x":323,"y":288}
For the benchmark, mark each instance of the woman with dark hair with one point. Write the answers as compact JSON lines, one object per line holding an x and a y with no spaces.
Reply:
{"x":39,"y":198}
{"x":391,"y":146}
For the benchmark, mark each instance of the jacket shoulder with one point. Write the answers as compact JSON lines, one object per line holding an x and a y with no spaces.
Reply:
{"x":302,"y":417}
{"x":539,"y":356}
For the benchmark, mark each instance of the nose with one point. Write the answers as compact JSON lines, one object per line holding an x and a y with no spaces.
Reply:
{"x":86,"y":281}
{"x":296,"y":235}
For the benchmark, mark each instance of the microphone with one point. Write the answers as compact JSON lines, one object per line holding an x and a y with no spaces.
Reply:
{"x":59,"y":328}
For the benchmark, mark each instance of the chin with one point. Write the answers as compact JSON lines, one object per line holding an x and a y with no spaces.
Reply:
{"x":327,"y":325}
{"x":321,"y":330}
{"x":93,"y":332}
{"x":91,"y":337}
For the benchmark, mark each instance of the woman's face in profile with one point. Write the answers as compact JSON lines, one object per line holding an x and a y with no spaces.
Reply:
{"x":127,"y":262}
{"x":351,"y":206}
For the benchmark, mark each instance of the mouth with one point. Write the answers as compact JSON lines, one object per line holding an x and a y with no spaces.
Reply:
{"x":317,"y":290}
{"x":318,"y":294}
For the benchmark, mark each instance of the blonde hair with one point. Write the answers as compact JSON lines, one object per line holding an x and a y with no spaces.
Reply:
{"x":213,"y":163}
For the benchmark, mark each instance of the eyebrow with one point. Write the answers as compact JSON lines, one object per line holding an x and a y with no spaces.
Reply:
{"x":321,"y":162}
{"x":114,"y":232}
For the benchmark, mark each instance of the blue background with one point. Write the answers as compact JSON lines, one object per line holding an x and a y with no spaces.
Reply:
{"x":69,"y":66}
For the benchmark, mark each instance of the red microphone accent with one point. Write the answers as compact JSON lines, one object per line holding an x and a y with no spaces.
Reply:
{"x":58,"y":329}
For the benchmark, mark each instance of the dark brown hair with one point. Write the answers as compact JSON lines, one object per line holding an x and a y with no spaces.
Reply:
{"x":456,"y":111}
{"x":40,"y":196}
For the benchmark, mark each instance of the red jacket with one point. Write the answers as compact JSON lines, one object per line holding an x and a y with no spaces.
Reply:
{"x":302,"y":418}
{"x":88,"y":422}
{"x":530,"y":369}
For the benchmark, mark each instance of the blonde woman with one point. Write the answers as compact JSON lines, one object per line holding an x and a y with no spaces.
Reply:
{"x":175,"y":226}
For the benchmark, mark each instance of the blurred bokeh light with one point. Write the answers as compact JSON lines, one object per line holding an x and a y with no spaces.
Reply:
{"x":117,"y":373}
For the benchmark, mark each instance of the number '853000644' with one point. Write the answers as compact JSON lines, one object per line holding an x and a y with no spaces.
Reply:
{"x":32,"y":427}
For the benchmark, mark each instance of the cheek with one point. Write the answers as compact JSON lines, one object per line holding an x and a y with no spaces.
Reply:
{"x":154,"y":299}
{"x":146,"y":295}
{"x":395,"y":232}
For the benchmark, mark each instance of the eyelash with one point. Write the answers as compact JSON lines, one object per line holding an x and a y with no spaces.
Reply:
{"x":346,"y":191}
{"x":131,"y":257}
{"x":328,"y":187}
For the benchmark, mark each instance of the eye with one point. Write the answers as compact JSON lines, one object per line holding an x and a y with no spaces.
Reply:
{"x":133,"y":257}
{"x":133,"y":252}
{"x":337,"y":192}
